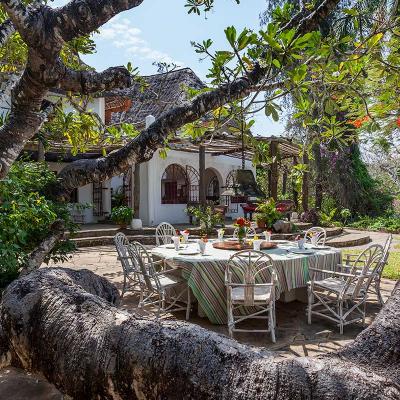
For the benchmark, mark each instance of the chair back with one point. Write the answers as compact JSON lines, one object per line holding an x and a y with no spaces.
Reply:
{"x":129,"y":266}
{"x":147,"y":274}
{"x":164,"y":233}
{"x":370,"y":261}
{"x":315,"y":235}
{"x":250,"y":232}
{"x":249,"y":269}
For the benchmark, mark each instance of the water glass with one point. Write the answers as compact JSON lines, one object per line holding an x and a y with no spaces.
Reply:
{"x":220,"y":233}
{"x":202,"y":246}
{"x":175,"y":240}
{"x":300,"y":243}
{"x":267,"y":236}
{"x":185,"y":236}
{"x":257,"y":244}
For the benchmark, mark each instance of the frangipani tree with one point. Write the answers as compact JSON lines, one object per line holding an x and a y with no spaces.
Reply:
{"x":64,"y":325}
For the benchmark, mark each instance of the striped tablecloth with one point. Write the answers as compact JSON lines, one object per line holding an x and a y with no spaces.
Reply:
{"x":206,"y":274}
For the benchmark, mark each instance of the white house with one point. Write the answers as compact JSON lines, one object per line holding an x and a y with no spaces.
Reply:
{"x":167,"y":185}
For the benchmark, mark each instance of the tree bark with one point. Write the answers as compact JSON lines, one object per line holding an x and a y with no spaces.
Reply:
{"x":274,"y":170}
{"x":38,"y":256}
{"x":318,"y":178}
{"x":305,"y":185}
{"x":62,"y":324}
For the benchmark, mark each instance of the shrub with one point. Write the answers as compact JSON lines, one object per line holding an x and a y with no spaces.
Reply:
{"x":122,"y":215}
{"x":267,"y":212}
{"x":207,"y":217}
{"x":311,"y":216}
{"x":26,"y":213}
{"x":390,"y":223}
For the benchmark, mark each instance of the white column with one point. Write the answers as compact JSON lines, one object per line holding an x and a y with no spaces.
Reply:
{"x":150,"y":180}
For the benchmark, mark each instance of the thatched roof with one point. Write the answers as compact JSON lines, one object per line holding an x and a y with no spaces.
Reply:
{"x":163,"y":92}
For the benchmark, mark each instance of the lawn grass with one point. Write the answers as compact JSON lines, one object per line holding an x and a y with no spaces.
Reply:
{"x":392,"y":269}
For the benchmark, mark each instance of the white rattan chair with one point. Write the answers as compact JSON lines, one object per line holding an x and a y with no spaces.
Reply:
{"x":129,"y":268}
{"x":250,"y":280}
{"x":250,"y":232}
{"x":342,"y":296}
{"x":315,"y":235}
{"x":375,"y":287}
{"x":164,"y":233}
{"x":162,"y":289}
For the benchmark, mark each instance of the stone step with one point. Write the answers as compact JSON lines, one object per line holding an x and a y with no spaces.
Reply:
{"x":109,"y":240}
{"x":348,"y":240}
{"x":112,"y":231}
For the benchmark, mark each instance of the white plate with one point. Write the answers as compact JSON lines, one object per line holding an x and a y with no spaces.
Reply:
{"x":321,"y":247}
{"x":302,"y":251}
{"x":280,"y":241}
{"x":188,"y":252}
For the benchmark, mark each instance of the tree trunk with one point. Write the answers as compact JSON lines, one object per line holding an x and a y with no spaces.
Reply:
{"x":305,"y":186}
{"x":318,"y":178}
{"x":62,"y":324}
{"x":274,"y":170}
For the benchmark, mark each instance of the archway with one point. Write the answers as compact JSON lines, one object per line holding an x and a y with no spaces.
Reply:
{"x":174,"y":185}
{"x":212,"y":184}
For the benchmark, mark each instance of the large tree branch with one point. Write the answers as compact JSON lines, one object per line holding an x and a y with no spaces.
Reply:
{"x":38,"y":256}
{"x":100,"y":351}
{"x":89,"y":82}
{"x":7,"y":28}
{"x":6,"y":31}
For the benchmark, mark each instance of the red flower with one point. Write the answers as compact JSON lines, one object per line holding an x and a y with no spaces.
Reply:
{"x":358,"y":122}
{"x":242,"y":222}
{"x":398,"y":122}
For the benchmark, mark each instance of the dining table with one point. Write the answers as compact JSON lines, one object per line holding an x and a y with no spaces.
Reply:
{"x":205,"y":273}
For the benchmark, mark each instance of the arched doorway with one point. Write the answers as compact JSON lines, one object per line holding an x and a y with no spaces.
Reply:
{"x":174,"y":185}
{"x":212,"y":184}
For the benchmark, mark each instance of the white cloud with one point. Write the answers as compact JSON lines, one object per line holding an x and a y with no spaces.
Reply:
{"x":124,"y":36}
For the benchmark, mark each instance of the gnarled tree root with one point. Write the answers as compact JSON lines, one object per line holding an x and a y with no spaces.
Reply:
{"x":63,"y":324}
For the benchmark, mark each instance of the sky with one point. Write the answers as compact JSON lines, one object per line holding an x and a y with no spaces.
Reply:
{"x":161,"y":30}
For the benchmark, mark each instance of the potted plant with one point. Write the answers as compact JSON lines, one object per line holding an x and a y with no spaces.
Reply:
{"x":267,"y":214}
{"x":122,"y":215}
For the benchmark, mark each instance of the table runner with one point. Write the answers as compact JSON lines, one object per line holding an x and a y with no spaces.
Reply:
{"x":206,"y":274}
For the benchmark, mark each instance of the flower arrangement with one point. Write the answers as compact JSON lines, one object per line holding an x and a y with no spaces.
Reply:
{"x":242,"y":224}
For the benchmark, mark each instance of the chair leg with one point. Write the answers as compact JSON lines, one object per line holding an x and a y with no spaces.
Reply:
{"x":310,"y":303}
{"x":271,"y":323}
{"x":188,"y":304}
{"x":378,"y":292}
{"x":341,"y":317}
{"x":124,"y":287}
{"x":364,"y":312}
{"x":141,"y":297}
